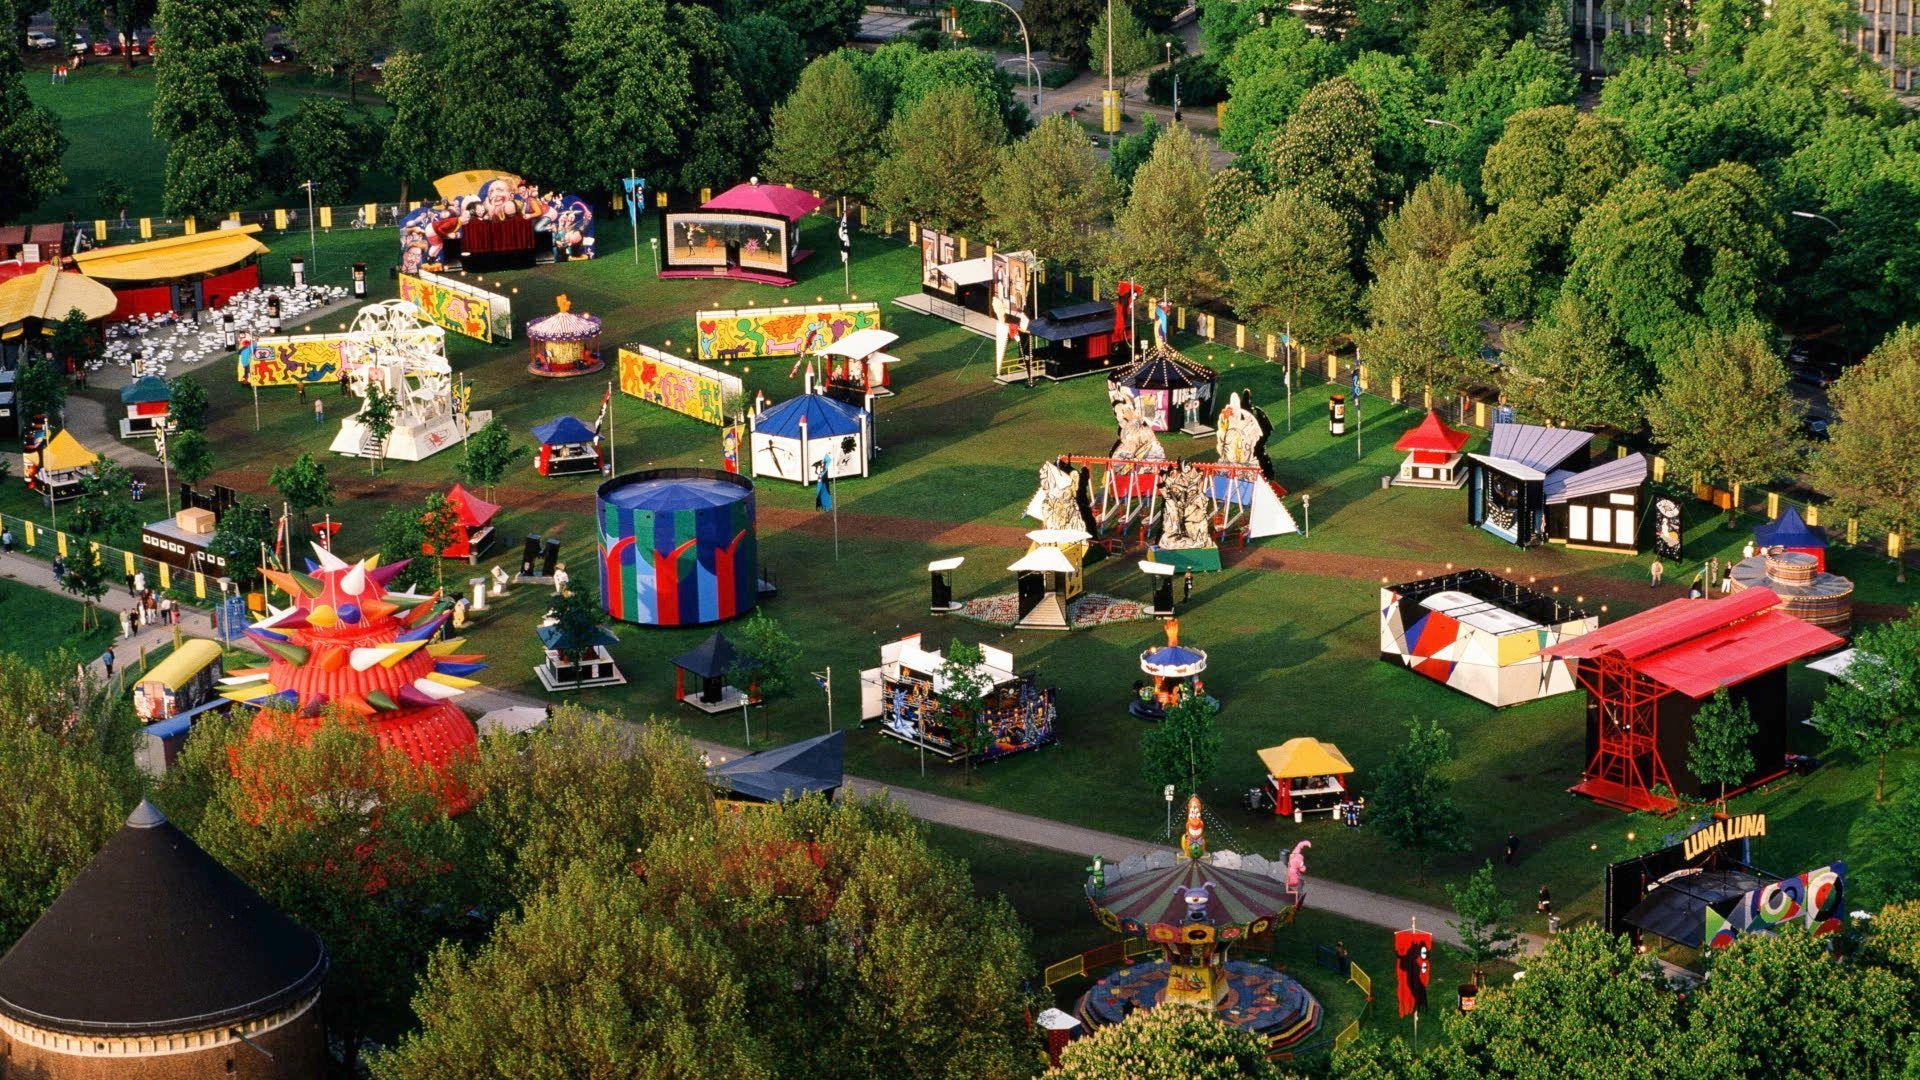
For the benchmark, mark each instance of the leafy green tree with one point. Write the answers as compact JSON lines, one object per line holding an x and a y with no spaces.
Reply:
{"x":724,"y":135}
{"x":1570,"y":367}
{"x":1475,"y":105}
{"x":86,"y":578}
{"x":1233,"y":196}
{"x":190,"y":456}
{"x":586,"y":980}
{"x":771,"y":651}
{"x":1288,"y":265}
{"x":584,"y":788}
{"x":1050,"y":193}
{"x":1484,"y":919}
{"x":398,"y":534}
{"x":1413,"y":802}
{"x":770,"y":55}
{"x":1512,"y":266}
{"x":31,"y":143}
{"x":1325,"y":151}
{"x":1187,"y":1043}
{"x":304,"y":484}
{"x":1721,"y":751}
{"x":347,"y":837}
{"x":940,"y":153}
{"x":577,"y":619}
{"x":42,"y":391}
{"x":186,"y":403}
{"x":412,"y":149}
{"x":490,"y":452}
{"x":1861,"y":468}
{"x":105,"y":510}
{"x":1159,"y":237}
{"x":1119,"y":42}
{"x":500,"y":109}
{"x":1875,"y":710}
{"x":74,"y":342}
{"x":965,"y":689}
{"x":1060,"y":27}
{"x":1400,"y":90}
{"x":238,"y":538}
{"x":963,"y":69}
{"x":209,"y":100}
{"x":1183,"y":749}
{"x":1268,"y":73}
{"x":628,"y":91}
{"x":61,"y":807}
{"x":826,"y":135}
{"x":1552,"y":151}
{"x":822,"y":24}
{"x":1131,"y":152}
{"x":439,"y":525}
{"x":1436,"y":219}
{"x":1458,"y":32}
{"x":322,"y":140}
{"x":1723,"y":411}
{"x":376,"y":415}
{"x":1883,"y":848}
{"x":114,"y":195}
{"x":349,"y":33}
{"x":1407,"y":333}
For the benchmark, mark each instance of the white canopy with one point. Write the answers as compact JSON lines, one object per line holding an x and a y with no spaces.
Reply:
{"x":863,"y":343}
{"x":1059,"y":536}
{"x":1044,"y":559}
{"x":969,"y":271}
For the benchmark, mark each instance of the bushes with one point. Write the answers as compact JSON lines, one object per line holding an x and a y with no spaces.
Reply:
{"x":1201,"y":81}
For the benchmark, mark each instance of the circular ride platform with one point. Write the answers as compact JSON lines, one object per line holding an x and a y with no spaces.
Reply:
{"x":1259,"y":1000}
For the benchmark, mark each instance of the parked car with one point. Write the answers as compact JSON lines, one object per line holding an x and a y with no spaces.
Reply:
{"x":79,"y":47}
{"x":39,"y":41}
{"x":280,"y":54}
{"x":103,"y":48}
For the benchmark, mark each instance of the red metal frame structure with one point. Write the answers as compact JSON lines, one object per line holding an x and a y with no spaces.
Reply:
{"x":1686,"y":647}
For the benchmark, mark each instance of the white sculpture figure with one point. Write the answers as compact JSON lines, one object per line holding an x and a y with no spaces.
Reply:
{"x":1184,"y":511}
{"x":1056,"y":503}
{"x":406,"y":358}
{"x":460,"y":614}
{"x":1242,"y":433}
{"x":560,"y":579}
{"x":1137,"y":441}
{"x":500,"y":580}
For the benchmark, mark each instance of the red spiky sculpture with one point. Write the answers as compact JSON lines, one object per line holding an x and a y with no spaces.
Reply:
{"x":343,"y":646}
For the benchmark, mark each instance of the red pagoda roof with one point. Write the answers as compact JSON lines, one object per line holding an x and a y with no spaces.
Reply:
{"x":472,"y":510}
{"x":1699,"y":646}
{"x":1433,"y":436}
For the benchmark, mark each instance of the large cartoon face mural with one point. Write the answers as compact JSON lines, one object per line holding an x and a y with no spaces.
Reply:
{"x":564,"y":221}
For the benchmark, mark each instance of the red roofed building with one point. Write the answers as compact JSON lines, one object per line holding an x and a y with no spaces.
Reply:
{"x":1433,"y":455}
{"x":1647,"y":675}
{"x":472,"y":526}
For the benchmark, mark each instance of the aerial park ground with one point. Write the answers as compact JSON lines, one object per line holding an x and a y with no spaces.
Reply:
{"x":1290,"y":624}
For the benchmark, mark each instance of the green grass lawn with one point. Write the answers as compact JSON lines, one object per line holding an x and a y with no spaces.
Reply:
{"x":106,"y":113}
{"x":1292,"y":652}
{"x":36,"y":625}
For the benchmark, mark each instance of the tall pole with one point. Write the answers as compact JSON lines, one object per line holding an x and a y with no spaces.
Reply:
{"x":1026,"y":44}
{"x":1288,"y":375}
{"x":829,"y":689}
{"x":313,"y":243}
{"x":634,"y":217}
{"x":1109,"y":97}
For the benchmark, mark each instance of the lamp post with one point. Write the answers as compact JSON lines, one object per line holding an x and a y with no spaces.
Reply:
{"x":1167,"y":793}
{"x":1811,"y":216}
{"x":313,"y":244}
{"x":1033,"y":70}
{"x":1432,"y":122}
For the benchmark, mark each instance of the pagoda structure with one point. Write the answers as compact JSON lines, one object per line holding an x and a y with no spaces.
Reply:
{"x":344,"y":647}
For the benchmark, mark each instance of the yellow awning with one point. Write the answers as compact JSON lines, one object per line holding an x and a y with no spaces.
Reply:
{"x":191,"y":658}
{"x":64,"y":452}
{"x":455,"y":185}
{"x":1304,"y":757}
{"x":48,"y":294}
{"x":173,"y":257}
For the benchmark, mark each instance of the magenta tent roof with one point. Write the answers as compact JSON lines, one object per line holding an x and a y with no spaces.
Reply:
{"x":790,"y":203}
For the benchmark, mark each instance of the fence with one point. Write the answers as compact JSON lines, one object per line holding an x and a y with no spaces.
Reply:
{"x":39,"y":539}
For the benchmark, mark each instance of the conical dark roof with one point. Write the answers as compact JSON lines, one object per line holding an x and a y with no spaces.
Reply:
{"x":154,"y":936}
{"x":810,"y":765}
{"x":1164,"y":368}
{"x":710,"y":659}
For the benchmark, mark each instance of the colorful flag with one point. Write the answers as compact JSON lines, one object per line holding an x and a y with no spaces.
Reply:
{"x":636,"y":188}
{"x":846,"y":238}
{"x":822,"y":490}
{"x":1413,"y":966}
{"x":606,"y":402}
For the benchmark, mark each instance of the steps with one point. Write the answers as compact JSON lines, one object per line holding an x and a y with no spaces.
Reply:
{"x":372,"y":447}
{"x":1049,"y":614}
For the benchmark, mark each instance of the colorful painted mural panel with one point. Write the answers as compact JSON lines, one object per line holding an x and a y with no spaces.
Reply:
{"x":680,"y":385}
{"x":461,"y":308}
{"x":746,"y":333}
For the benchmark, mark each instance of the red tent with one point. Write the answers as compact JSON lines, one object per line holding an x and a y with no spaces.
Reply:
{"x":777,"y":199}
{"x":1433,"y":442}
{"x":473,"y":525}
{"x":1646,"y":675}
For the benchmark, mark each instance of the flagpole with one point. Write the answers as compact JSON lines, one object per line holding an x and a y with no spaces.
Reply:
{"x":633,"y":216}
{"x":613,"y":453}
{"x":828,"y":685}
{"x":835,"y":509}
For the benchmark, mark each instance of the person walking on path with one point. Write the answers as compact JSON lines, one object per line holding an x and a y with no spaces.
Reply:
{"x":139,"y":582}
{"x":1513,"y":847}
{"x":1545,"y":904}
{"x":1657,"y":571}
{"x":6,"y":540}
{"x":106,"y":660}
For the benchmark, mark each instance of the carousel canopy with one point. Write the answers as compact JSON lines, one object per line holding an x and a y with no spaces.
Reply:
{"x":1789,"y":530}
{"x":825,"y":417}
{"x":563,"y":431}
{"x":1172,"y":658}
{"x":1157,"y":897}
{"x":1163,"y":368}
{"x":787,"y":772}
{"x":778,"y":199}
{"x":1304,"y":756}
{"x":155,"y":936}
{"x":1433,"y":436}
{"x":48,"y":294}
{"x":145,"y":390}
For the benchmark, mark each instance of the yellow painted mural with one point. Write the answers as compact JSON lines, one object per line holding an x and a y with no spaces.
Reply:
{"x":745,"y":333}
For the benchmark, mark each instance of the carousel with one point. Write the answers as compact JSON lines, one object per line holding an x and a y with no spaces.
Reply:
{"x":1171,"y":392}
{"x":1175,"y":673}
{"x":565,"y":343}
{"x":1195,"y":907}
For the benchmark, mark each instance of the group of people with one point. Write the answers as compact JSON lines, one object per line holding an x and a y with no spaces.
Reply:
{"x":1349,"y":811}
{"x":1714,"y":576}
{"x":149,"y":609}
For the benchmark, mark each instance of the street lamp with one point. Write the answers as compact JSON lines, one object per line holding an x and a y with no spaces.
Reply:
{"x":1811,"y":216}
{"x":1033,"y":71}
{"x":1433,"y":122}
{"x":313,"y":245}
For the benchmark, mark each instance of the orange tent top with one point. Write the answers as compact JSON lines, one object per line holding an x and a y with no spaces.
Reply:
{"x":1433,"y":437}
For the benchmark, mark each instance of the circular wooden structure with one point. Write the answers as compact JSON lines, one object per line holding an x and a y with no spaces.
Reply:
{"x":1806,"y":591}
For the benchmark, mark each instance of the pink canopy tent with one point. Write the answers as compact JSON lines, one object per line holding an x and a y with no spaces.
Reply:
{"x":777,"y":199}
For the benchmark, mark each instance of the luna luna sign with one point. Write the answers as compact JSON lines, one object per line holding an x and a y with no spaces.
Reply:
{"x":1743,"y":827}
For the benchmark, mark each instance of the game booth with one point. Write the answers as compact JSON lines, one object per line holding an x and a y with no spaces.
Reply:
{"x":58,"y":469}
{"x":185,"y":274}
{"x":1481,"y":634}
{"x":1171,"y":392}
{"x":791,"y":439}
{"x":181,"y":540}
{"x":858,"y":365}
{"x":472,"y":532}
{"x":568,"y":447}
{"x":1702,"y":889}
{"x":145,"y":400}
{"x":564,"y":344}
{"x":1790,"y":532}
{"x":677,"y":546}
{"x":1647,"y":675}
{"x":769,"y":778}
{"x":486,"y":220}
{"x":1538,"y":484}
{"x":749,"y":232}
{"x":905,"y":694}
{"x":1304,"y":776}
{"x":955,"y":289}
{"x":1081,"y":338}
{"x":1433,"y":455}
{"x":594,"y":665}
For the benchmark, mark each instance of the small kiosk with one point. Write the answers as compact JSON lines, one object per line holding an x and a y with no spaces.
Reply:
{"x":567,"y":447}
{"x":472,"y":527}
{"x":789,"y":440}
{"x":815,"y":766}
{"x":1306,"y":776}
{"x":187,"y":679}
{"x":858,"y":366}
{"x":1079,"y":339}
{"x":1048,"y":577}
{"x":58,"y":468}
{"x":710,"y":662}
{"x":145,"y":399}
{"x":1433,"y":455}
{"x":594,"y":668}
{"x":906,"y":694}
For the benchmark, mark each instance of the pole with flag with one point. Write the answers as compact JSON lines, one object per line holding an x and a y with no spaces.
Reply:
{"x":636,"y":189}
{"x":1358,"y":452}
{"x":823,"y":500}
{"x":846,"y":249}
{"x":825,"y":679}
{"x":605,"y":421}
{"x":1286,"y":372}
{"x":166,"y":472}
